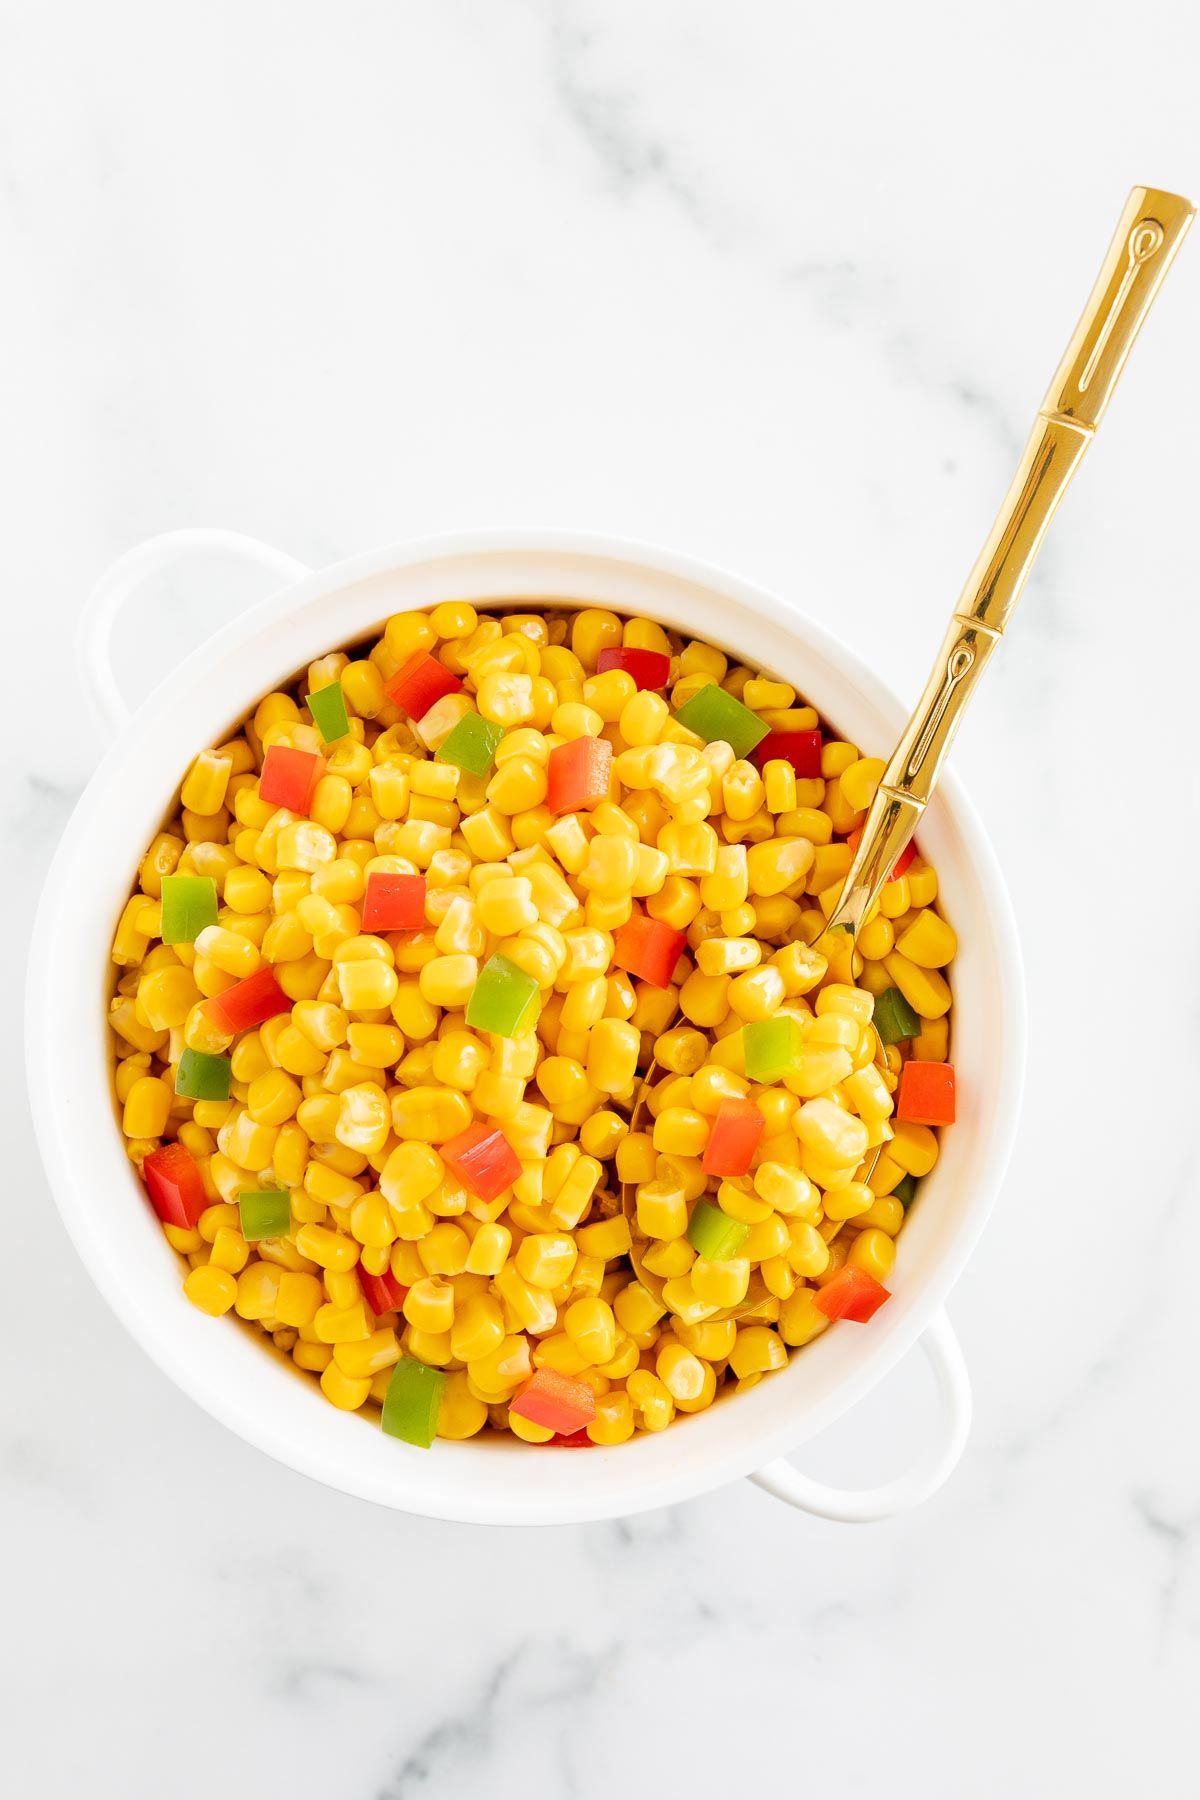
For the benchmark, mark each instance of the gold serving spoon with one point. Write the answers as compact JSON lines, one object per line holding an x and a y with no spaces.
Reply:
{"x":1150,"y":231}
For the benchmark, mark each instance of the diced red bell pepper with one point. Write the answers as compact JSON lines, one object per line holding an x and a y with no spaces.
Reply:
{"x":651,"y":669}
{"x":555,"y":1401}
{"x":572,"y":1440}
{"x":382,"y":1293}
{"x":250,"y":1002}
{"x":175,"y":1185}
{"x":648,"y":949}
{"x":578,"y":774}
{"x":289,"y":777}
{"x":482,"y":1158}
{"x":393,"y":902}
{"x":420,"y":684}
{"x":800,"y":748}
{"x":734,"y":1138}
{"x":852,"y":1294}
{"x":926,"y":1095}
{"x":902,"y":861}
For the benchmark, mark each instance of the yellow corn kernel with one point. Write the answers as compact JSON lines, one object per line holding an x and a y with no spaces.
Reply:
{"x":613,"y":1049}
{"x":758,"y":994}
{"x":366,"y":985}
{"x":489,"y":1249}
{"x":461,"y":1413}
{"x":785,"y":1190}
{"x":527,"y":1431}
{"x":895,"y":900}
{"x":638,"y":1311}
{"x":779,"y":783}
{"x":704,"y":999}
{"x":443,"y":1251}
{"x":913,"y":1147}
{"x":347,"y":1392}
{"x":546,"y":1259}
{"x":682,"y":1050}
{"x":165,"y":998}
{"x":299,"y":1298}
{"x":606,"y":1239}
{"x":662,"y":1209}
{"x":229,"y":1250}
{"x":932,"y":1044}
{"x":643,"y":717}
{"x":690,"y":849}
{"x":147,"y":1108}
{"x":720,"y":1283}
{"x":727,"y":956}
{"x":429,"y":1304}
{"x":365,"y":1357}
{"x":757,"y":1350}
{"x":800,"y":1319}
{"x":832,"y":1133}
{"x":246,"y":1142}
{"x":651,"y":1400}
{"x":680,"y":1131}
{"x":834,"y":1031}
{"x":848,"y":1202}
{"x":867,"y":1093}
{"x":922,"y":883}
{"x":574,"y":1197}
{"x":882,"y":1215}
{"x":690,"y":1382}
{"x":222,"y":1215}
{"x":859,"y":781}
{"x":206,"y":781}
{"x":272,"y":1097}
{"x":614,"y":1421}
{"x":211,"y":1289}
{"x":364,"y":1118}
{"x":257,"y":1292}
{"x":592,"y":1329}
{"x":777,"y":864}
{"x":160,"y":859}
{"x":478,"y":1328}
{"x":371,"y":1222}
{"x":820,"y":1070}
{"x":330,"y":1249}
{"x":874,"y":1252}
{"x":928,"y":942}
{"x":232,"y":953}
{"x":669,"y":1260}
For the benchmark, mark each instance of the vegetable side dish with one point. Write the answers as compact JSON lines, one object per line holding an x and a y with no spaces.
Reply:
{"x":474,"y":930}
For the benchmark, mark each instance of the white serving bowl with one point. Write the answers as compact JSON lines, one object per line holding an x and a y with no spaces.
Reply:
{"x":219,"y":1364}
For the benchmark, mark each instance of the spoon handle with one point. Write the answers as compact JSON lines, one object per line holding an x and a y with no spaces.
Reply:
{"x":1150,"y":231}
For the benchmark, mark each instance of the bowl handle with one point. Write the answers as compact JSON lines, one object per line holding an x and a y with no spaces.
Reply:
{"x":865,"y":1505}
{"x":93,"y":638}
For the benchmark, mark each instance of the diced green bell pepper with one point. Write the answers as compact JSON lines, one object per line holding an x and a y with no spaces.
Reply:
{"x":905,"y":1191}
{"x":328,"y":708}
{"x":893,"y":1018}
{"x":265,"y":1213}
{"x":716,"y":716}
{"x":472,"y":745}
{"x":413,"y":1401}
{"x":502,"y":999}
{"x":201,"y":1077}
{"x":772,"y":1048}
{"x":189,"y":906}
{"x":713,"y":1234}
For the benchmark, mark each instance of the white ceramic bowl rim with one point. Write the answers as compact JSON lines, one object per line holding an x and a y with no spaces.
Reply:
{"x":221,"y":1367}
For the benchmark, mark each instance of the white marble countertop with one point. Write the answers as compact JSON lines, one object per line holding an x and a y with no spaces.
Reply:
{"x":781,"y":286}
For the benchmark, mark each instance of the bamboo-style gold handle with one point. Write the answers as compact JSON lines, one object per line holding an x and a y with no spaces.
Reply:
{"x":1150,"y":231}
